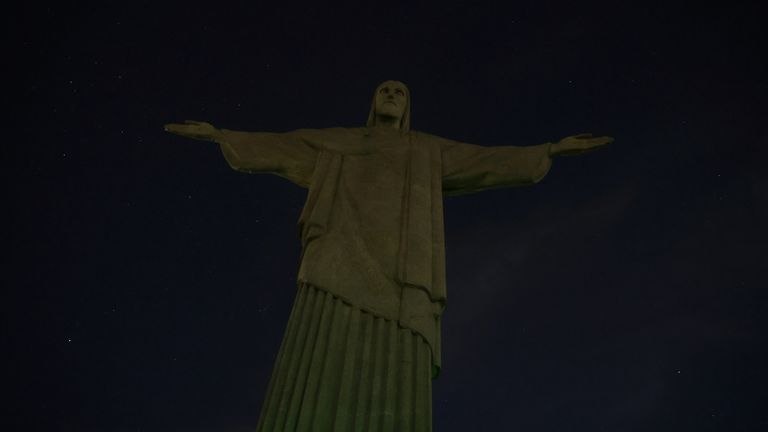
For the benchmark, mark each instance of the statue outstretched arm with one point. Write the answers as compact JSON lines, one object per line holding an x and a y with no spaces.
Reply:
{"x":578,"y":144}
{"x":283,"y":154}
{"x":471,"y":168}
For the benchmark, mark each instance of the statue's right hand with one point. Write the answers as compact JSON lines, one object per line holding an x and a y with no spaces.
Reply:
{"x":192,"y":129}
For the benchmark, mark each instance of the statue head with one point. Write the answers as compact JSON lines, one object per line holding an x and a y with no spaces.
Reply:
{"x":391,"y":106}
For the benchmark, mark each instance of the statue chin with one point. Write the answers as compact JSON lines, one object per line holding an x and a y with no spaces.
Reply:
{"x":389,"y":110}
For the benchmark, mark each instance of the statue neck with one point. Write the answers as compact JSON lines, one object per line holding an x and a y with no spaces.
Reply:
{"x":387,"y":122}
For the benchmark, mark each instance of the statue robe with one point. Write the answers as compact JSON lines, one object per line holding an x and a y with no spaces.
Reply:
{"x":372,"y":226}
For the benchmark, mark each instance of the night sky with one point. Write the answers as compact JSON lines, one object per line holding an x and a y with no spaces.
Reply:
{"x":147,"y":285}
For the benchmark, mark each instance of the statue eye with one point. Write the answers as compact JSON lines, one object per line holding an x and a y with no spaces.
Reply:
{"x":400,"y":92}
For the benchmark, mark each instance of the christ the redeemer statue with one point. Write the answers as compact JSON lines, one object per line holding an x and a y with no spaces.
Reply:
{"x":362,"y":342}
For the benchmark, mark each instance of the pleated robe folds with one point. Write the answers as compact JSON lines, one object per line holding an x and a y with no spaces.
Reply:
{"x":363,"y":339}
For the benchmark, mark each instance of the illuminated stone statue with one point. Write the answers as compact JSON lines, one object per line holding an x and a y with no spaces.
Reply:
{"x":363,"y":340}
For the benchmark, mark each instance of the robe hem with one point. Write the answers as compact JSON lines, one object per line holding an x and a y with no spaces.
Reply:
{"x":435,"y":368}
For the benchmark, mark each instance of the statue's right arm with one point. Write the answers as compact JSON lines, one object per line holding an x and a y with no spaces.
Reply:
{"x":283,"y":154}
{"x":469,"y":168}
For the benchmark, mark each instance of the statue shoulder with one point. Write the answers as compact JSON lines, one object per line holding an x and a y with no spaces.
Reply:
{"x":428,"y":138}
{"x":334,"y":139}
{"x":332,"y":133}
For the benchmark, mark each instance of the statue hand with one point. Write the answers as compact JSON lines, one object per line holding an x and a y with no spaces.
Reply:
{"x":192,"y":129}
{"x":578,"y":144}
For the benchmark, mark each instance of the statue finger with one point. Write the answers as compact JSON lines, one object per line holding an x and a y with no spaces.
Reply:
{"x":595,"y":143}
{"x":583,"y":135}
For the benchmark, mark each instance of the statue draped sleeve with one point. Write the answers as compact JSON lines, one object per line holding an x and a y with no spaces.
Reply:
{"x":469,"y":168}
{"x":287,"y":155}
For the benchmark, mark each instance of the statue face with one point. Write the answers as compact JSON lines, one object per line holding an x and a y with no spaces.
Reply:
{"x":391,"y":99}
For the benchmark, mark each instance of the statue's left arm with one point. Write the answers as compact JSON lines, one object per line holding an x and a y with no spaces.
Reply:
{"x":285,"y":154}
{"x":471,"y":168}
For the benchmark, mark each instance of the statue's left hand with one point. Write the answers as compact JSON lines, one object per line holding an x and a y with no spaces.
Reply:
{"x":192,"y":129}
{"x":578,"y":144}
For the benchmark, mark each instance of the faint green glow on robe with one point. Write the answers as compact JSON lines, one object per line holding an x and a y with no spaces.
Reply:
{"x":372,"y":226}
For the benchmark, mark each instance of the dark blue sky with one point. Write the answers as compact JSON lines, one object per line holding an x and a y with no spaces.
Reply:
{"x":148,"y":284}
